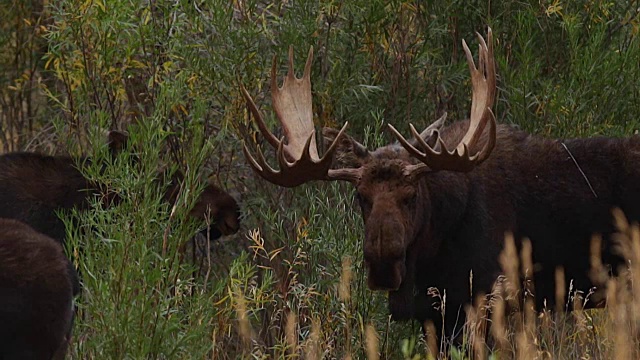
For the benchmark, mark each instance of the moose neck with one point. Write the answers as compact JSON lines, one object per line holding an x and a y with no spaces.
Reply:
{"x":445,"y":204}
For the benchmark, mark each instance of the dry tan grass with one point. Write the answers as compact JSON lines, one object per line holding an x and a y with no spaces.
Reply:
{"x":502,"y":325}
{"x":608,"y":333}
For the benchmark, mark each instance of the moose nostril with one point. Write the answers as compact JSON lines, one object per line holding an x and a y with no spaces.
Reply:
{"x":385,"y":275}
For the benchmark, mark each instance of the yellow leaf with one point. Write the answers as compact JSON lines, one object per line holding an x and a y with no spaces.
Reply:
{"x":146,"y":15}
{"x":136,"y":64}
{"x":101,"y":5}
{"x":555,"y":8}
{"x":46,"y":65}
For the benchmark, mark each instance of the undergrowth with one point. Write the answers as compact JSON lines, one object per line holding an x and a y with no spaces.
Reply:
{"x":291,"y":283}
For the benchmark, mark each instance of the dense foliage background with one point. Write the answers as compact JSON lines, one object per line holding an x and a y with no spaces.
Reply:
{"x":290,"y":284}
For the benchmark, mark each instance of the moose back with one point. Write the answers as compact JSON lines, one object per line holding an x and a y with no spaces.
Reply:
{"x":36,"y":294}
{"x":34,"y":186}
{"x":436,"y":207}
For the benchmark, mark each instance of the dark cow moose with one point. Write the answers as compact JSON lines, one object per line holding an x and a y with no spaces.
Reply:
{"x":36,"y":294}
{"x":437,"y":207}
{"x":34,"y":186}
{"x":37,"y":282}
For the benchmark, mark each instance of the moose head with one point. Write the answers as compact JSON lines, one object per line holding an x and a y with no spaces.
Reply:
{"x":214,"y":204}
{"x":395,"y":202}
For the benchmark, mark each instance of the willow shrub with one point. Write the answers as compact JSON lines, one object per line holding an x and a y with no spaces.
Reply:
{"x":291,"y":284}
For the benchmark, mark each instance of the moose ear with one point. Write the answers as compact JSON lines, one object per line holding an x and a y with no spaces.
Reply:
{"x":349,"y":153}
{"x":117,"y":141}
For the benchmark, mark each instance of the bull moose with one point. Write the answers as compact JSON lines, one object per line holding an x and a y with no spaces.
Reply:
{"x":436,"y":207}
{"x":36,"y":294}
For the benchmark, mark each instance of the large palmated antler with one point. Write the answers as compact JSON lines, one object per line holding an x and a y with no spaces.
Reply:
{"x":460,"y":158}
{"x":298,"y":158}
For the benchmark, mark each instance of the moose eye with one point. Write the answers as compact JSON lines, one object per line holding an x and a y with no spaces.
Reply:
{"x":409,"y":198}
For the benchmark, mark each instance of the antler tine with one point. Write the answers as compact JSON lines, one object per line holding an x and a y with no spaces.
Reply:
{"x":348,"y":174}
{"x":302,"y":170}
{"x":477,"y":106}
{"x":441,"y":159}
{"x":491,"y":143}
{"x":307,"y":66}
{"x":438,"y":157}
{"x":297,"y":158}
{"x":258,"y":117}
{"x":306,"y":153}
{"x":282,"y":162}
{"x":423,"y":144}
{"x":483,"y":80}
{"x":483,"y":83}
{"x":410,"y":148}
{"x":435,"y":126}
{"x":490,"y":65}
{"x":287,"y":177}
{"x":328,"y":155}
{"x":293,"y":106}
{"x":260,"y":165}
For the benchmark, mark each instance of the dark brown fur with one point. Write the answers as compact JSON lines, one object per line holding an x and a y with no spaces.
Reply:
{"x":36,"y":297}
{"x":433,"y":230}
{"x":213,"y":204}
{"x":34,"y":186}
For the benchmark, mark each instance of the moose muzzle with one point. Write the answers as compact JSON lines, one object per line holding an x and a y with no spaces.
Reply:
{"x":385,"y":276}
